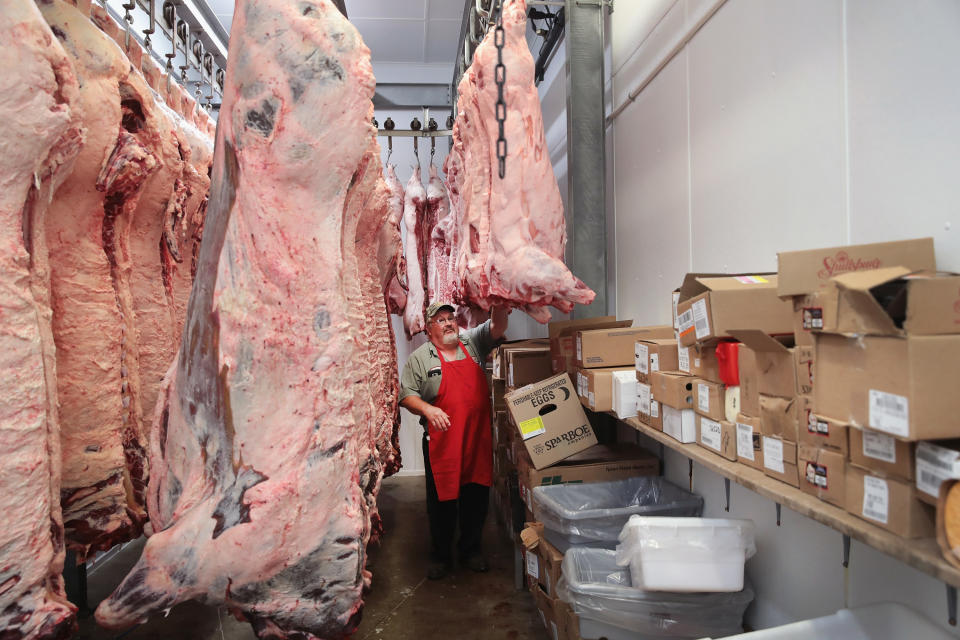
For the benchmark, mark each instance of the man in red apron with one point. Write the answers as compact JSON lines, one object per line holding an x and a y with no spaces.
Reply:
{"x":444,"y":383}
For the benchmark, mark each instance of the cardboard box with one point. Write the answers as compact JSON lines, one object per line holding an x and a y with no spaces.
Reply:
{"x":889,"y":503}
{"x":803,"y":272}
{"x":773,"y":365}
{"x":822,"y":433}
{"x":625,"y":394}
{"x":906,"y":387}
{"x":562,"y":343}
{"x":936,"y":463}
{"x":721,"y":305}
{"x":749,"y":443}
{"x":680,"y":424}
{"x":823,"y":474}
{"x":731,"y":403}
{"x":655,"y":354}
{"x":780,"y":460}
{"x":595,"y":387}
{"x":500,"y":355}
{"x":568,"y":620}
{"x":545,"y":607}
{"x":542,"y":559}
{"x":803,"y":320}
{"x":699,"y":361}
{"x":882,"y":454}
{"x":709,"y":399}
{"x":498,"y":389}
{"x":550,"y":420}
{"x":613,"y":347}
{"x":718,"y":436}
{"x":673,"y":389}
{"x":749,"y":382}
{"x":803,"y":363}
{"x":527,"y":367}
{"x":648,"y":409}
{"x":779,"y":418}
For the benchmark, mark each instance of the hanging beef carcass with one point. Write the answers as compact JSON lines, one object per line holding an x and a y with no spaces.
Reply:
{"x":40,"y":136}
{"x":91,"y":259}
{"x":512,"y":234}
{"x":414,"y":205}
{"x":392,"y":261}
{"x":263,"y":504}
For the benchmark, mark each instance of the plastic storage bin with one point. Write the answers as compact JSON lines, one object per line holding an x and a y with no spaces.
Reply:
{"x":887,"y":621}
{"x":609,"y":606}
{"x":593,"y":514}
{"x":686,"y":554}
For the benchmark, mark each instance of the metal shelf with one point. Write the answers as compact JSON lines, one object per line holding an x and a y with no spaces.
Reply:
{"x":922,"y":554}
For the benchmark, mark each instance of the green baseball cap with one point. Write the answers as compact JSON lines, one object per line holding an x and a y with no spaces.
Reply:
{"x":436,"y":307}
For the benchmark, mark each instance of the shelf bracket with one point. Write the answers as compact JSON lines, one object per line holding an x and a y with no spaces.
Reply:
{"x":726,"y":490}
{"x":846,"y":551}
{"x":690,"y":463}
{"x":778,"y":514}
{"x":952,"y":605}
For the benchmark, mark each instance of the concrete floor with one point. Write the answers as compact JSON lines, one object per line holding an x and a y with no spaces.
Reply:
{"x":402,"y":605}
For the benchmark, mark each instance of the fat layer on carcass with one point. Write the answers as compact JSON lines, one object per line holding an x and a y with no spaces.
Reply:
{"x":264,"y":503}
{"x":513,"y":234}
{"x":104,"y":449}
{"x":414,"y":204}
{"x":40,"y":134}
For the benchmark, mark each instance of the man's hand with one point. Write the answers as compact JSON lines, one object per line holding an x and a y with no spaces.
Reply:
{"x":498,"y":321}
{"x":437,"y":418}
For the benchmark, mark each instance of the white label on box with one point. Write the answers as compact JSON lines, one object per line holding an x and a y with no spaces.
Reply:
{"x":643,"y":395}
{"x":533,"y":565}
{"x":591,"y":398}
{"x":773,"y":454}
{"x":581,"y":384}
{"x":510,"y":375}
{"x":876,"y":499}
{"x":889,"y":412}
{"x":654,"y":362}
{"x":676,"y":301}
{"x":496,"y":366}
{"x":700,"y":318}
{"x":703,"y":398}
{"x":935,"y":465}
{"x":711,"y":433}
{"x":744,"y":441}
{"x":642,"y":357}
{"x":654,"y":408}
{"x":683,"y":356}
{"x":879,"y":446}
{"x":685,"y":321}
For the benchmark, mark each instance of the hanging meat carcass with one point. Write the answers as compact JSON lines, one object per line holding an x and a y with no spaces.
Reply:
{"x":414,"y":205}
{"x":512,"y":230}
{"x":40,"y":136}
{"x":392,"y":261}
{"x":266,"y":435}
{"x":439,"y":287}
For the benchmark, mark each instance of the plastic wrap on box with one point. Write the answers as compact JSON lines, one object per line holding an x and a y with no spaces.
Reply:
{"x":594,"y":513}
{"x":598,"y":589}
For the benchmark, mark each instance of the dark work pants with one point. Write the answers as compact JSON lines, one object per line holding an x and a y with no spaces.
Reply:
{"x":470,"y":509}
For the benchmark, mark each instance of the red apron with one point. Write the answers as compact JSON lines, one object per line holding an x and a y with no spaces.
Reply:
{"x":464,"y":452}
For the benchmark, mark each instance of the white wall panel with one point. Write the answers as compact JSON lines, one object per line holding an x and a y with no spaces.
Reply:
{"x":635,"y":21}
{"x":766,"y":126}
{"x":651,"y":195}
{"x":904,"y":124}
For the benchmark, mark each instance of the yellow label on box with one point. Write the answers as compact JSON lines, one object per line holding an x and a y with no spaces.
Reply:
{"x":752,"y":279}
{"x":532,"y":427}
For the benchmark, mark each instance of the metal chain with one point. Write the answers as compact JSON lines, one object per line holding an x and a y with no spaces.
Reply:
{"x":500,"y":76}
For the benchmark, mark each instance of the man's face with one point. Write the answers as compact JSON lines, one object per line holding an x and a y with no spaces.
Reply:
{"x":442,"y":329}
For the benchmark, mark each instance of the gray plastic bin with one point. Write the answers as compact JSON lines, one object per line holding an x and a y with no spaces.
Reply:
{"x":593,"y":514}
{"x":602,"y":595}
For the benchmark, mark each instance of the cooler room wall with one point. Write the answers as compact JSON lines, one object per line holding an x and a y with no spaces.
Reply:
{"x":783,"y":125}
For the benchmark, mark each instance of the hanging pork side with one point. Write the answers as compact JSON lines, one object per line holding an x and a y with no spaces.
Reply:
{"x":267,"y":436}
{"x":104,"y":470}
{"x":40,"y":135}
{"x":439,"y":287}
{"x":414,"y":205}
{"x":393,"y":266}
{"x":512,"y":234}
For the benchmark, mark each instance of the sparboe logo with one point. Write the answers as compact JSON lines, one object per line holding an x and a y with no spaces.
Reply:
{"x":570,"y":437}
{"x":842,"y":263}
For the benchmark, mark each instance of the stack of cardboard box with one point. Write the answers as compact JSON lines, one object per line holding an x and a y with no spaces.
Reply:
{"x":542,"y":562}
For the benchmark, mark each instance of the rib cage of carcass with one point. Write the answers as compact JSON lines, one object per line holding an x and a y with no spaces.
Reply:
{"x":511,"y":232}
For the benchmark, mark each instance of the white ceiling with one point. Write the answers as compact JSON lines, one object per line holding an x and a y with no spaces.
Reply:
{"x":412,"y":32}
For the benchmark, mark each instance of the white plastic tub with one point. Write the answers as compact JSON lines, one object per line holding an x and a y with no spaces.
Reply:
{"x":886,"y":621}
{"x":686,"y":554}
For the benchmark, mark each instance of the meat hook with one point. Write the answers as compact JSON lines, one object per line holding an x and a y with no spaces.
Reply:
{"x":433,"y":148}
{"x":389,"y":147}
{"x":149,"y":31}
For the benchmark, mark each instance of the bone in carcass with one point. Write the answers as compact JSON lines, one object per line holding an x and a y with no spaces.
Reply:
{"x":392,"y":262}
{"x":40,"y":136}
{"x":439,"y":287}
{"x":263,"y":506}
{"x":414,"y":204}
{"x":104,"y":456}
{"x":513,"y":234}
